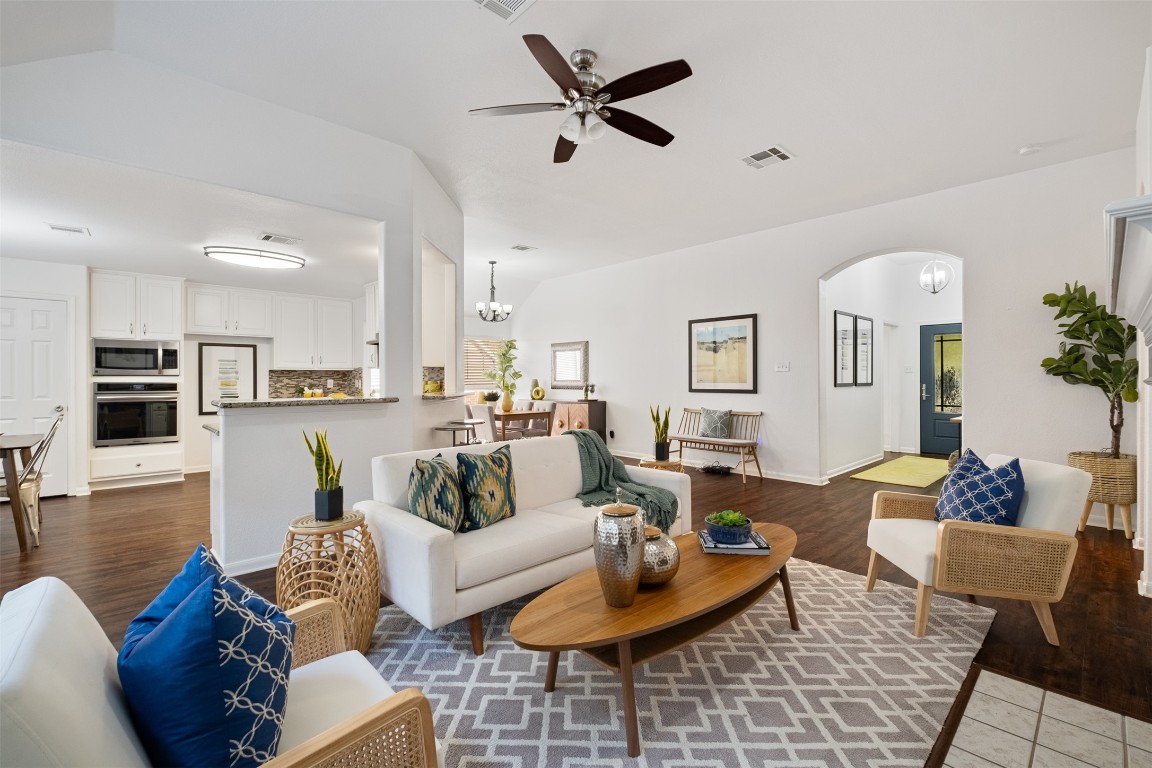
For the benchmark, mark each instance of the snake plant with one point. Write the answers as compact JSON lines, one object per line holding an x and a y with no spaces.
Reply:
{"x":327,"y":471}
{"x":660,"y":424}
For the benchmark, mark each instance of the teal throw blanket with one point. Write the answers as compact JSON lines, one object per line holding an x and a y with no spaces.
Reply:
{"x":603,"y":473}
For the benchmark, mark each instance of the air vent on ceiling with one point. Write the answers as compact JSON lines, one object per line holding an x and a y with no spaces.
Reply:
{"x":769,"y":156}
{"x":523,"y":247}
{"x":68,"y":229}
{"x":268,"y":237}
{"x":509,"y":10}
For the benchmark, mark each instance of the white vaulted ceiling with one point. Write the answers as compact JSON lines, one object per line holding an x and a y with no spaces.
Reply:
{"x":877,"y":101}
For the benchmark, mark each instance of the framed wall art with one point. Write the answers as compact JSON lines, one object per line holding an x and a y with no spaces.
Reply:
{"x":227,"y":372}
{"x":843,"y":349}
{"x":863,"y":345}
{"x":722,"y":354}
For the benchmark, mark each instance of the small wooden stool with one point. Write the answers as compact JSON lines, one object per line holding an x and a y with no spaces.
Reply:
{"x":336,"y":559}
{"x":671,"y":465}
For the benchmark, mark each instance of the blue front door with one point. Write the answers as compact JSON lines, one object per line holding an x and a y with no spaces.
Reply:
{"x":941,"y":390}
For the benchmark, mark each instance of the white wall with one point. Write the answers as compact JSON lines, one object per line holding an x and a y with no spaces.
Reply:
{"x":69,"y":283}
{"x":1019,"y":237}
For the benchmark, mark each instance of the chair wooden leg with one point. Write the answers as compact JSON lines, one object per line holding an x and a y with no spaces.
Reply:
{"x":873,"y":563}
{"x":1125,"y":516}
{"x":1044,"y":613}
{"x":756,"y":459}
{"x":923,"y":608}
{"x":744,"y":466}
{"x":1111,"y":508}
{"x":476,"y":630}
{"x":1084,"y":515}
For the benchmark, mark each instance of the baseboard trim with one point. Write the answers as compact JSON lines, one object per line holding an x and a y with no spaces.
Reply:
{"x":854,"y":465}
{"x":241,"y":567}
{"x":82,"y":490}
{"x":196,"y":470}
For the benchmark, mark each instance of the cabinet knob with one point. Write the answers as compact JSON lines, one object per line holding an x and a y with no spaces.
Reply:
{"x":225,"y":325}
{"x":131,"y":327}
{"x":560,"y":423}
{"x":579,"y":425}
{"x":145,"y":329}
{"x":137,"y":463}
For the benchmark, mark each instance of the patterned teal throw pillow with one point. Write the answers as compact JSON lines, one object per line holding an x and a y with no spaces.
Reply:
{"x":488,"y":486}
{"x":434,"y":493}
{"x":714,"y":424}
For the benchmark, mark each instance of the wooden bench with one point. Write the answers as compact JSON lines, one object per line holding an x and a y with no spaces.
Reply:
{"x":743,"y":432}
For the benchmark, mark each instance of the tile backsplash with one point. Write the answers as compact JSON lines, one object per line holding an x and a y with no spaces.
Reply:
{"x":433,"y":379}
{"x":284,"y":383}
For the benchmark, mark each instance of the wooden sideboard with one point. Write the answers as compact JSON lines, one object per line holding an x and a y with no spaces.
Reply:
{"x":581,"y":414}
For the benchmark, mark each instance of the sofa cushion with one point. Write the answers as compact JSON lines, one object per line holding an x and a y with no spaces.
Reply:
{"x":974,"y":493}
{"x":714,"y":423}
{"x":60,"y":697}
{"x":434,"y":493}
{"x":574,"y":509}
{"x":489,"y":488}
{"x":910,"y":545}
{"x":205,"y":670}
{"x":530,"y":538}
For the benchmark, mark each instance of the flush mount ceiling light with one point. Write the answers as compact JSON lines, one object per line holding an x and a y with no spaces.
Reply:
{"x":493,"y":311}
{"x":936,"y":276}
{"x":250,"y":257}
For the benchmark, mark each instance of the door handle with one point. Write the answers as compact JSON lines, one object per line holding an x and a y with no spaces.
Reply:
{"x":145,"y":329}
{"x":321,"y":359}
{"x":225,"y":325}
{"x":131,"y":327}
{"x":59,"y":409}
{"x":923,"y":391}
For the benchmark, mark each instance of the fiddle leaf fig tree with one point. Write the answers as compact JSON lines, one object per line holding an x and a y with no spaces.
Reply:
{"x":504,"y":373}
{"x":1097,"y":352}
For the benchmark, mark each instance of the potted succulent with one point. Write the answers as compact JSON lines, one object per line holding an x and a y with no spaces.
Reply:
{"x":661,"y":432}
{"x":491,"y":397}
{"x":1098,"y":353}
{"x":329,"y":493}
{"x":729,"y":527}
{"x":504,"y":374}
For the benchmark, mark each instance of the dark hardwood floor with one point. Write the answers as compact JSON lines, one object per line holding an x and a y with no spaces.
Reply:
{"x":119,"y":548}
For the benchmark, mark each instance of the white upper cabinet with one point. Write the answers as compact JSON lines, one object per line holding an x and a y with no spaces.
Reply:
{"x":312,"y":333}
{"x":228,"y":312}
{"x":334,"y":334}
{"x":127,"y":306}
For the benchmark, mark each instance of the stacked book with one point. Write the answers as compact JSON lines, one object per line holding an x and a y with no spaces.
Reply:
{"x":756,"y":545}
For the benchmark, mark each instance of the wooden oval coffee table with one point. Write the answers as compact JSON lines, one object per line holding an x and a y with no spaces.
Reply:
{"x":706,"y":592}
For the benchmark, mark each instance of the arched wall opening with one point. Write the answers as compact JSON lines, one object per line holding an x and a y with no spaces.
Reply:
{"x":859,"y":420}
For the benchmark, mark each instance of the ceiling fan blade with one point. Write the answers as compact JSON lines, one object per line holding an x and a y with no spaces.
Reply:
{"x":515,"y":109}
{"x":553,"y":62}
{"x":564,"y":150}
{"x":638,"y":127}
{"x":647,"y":80}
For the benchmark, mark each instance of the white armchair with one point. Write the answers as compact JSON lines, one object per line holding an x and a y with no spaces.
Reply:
{"x":61,"y":703}
{"x":1031,"y":561}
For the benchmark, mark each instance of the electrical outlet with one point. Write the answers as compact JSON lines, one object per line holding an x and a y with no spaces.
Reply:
{"x":329,"y":383}
{"x":783,"y":367}
{"x":907,"y":369}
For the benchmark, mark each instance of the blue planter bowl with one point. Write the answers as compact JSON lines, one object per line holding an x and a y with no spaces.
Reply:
{"x":729,"y":534}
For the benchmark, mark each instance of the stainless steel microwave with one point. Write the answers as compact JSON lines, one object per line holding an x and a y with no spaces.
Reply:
{"x":128,"y":357}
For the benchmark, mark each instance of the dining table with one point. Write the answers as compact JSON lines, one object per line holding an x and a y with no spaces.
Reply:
{"x":503,"y":417}
{"x":10,"y":446}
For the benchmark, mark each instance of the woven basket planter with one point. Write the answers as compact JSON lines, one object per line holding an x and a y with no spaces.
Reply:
{"x":1113,"y":480}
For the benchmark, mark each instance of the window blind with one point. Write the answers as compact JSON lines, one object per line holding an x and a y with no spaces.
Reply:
{"x":479,"y":356}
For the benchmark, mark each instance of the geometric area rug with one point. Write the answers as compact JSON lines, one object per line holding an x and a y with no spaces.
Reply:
{"x":853,"y":688}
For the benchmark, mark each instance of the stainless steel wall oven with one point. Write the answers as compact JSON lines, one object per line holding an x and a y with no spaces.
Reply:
{"x":128,"y":413}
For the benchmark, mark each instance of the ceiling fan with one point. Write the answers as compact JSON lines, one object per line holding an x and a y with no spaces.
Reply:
{"x":585,"y":93}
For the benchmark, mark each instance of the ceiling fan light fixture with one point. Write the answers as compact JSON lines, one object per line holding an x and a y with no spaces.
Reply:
{"x":251,"y":257}
{"x":571,"y":128}
{"x":594,"y":126}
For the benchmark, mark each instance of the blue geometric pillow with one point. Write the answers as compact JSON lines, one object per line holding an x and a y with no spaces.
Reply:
{"x":205,"y":670}
{"x":977,"y":494}
{"x":434,"y":493}
{"x":489,"y":487}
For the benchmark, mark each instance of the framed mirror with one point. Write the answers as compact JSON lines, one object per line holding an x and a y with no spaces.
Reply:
{"x":570,"y":365}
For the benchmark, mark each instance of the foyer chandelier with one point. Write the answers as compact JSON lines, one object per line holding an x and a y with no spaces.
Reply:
{"x":936,"y":276}
{"x":493,"y":311}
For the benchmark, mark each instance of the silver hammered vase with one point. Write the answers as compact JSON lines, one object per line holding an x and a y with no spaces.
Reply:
{"x":661,"y":558}
{"x":618,"y":544}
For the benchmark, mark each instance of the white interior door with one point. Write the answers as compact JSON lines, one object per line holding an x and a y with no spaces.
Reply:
{"x":34,"y":377}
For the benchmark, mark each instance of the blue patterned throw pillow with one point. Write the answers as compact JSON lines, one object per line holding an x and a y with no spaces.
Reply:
{"x":975,"y":493}
{"x":489,"y":487}
{"x":715,"y":424}
{"x":205,"y":670}
{"x":434,"y":493}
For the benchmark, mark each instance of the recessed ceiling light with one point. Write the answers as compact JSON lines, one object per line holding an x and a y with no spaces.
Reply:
{"x":68,"y":229}
{"x":1028,"y":149}
{"x":250,"y":257}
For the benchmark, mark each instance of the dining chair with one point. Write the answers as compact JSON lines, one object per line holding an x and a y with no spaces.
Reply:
{"x":30,"y":480}
{"x":539,"y":427}
{"x":486,"y":430}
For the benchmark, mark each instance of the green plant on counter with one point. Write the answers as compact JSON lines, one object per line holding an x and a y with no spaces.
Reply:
{"x":504,"y":374}
{"x":327,"y":471}
{"x":661,"y":424}
{"x":728,"y":518}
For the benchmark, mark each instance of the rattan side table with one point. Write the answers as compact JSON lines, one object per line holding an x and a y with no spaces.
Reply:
{"x":671,"y":465}
{"x":336,"y":559}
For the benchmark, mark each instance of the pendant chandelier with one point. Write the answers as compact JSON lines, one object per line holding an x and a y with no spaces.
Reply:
{"x":936,"y":276}
{"x":493,"y":311}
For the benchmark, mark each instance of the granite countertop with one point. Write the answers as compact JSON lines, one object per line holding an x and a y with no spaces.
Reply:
{"x":282,"y":402}
{"x":441,"y":396}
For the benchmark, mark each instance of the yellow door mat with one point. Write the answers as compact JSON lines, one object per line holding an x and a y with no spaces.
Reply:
{"x":915,"y":471}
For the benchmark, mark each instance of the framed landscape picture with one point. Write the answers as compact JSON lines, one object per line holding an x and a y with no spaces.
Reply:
{"x":843,"y":349}
{"x":863,"y":345}
{"x":227,"y":372}
{"x":722,"y":354}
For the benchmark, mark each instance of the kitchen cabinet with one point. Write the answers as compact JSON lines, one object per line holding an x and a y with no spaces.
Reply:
{"x":582,"y":414}
{"x":128,"y":306}
{"x":221,"y":311}
{"x":312,"y":333}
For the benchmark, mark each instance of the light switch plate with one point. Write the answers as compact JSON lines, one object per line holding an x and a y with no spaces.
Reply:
{"x":783,"y":367}
{"x":907,"y":369}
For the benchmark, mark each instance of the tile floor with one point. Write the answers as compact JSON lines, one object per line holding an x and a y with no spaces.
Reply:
{"x":1009,"y":724}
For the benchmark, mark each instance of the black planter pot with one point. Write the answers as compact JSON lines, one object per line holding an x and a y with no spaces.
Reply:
{"x":661,"y":451}
{"x":330,"y":504}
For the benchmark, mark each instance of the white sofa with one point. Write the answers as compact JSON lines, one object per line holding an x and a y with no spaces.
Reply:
{"x":438,"y":577}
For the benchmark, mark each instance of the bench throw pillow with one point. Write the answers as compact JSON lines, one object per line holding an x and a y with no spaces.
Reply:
{"x":975,"y":493}
{"x":715,"y":423}
{"x":205,"y":670}
{"x":434,"y":493}
{"x":489,"y":487}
